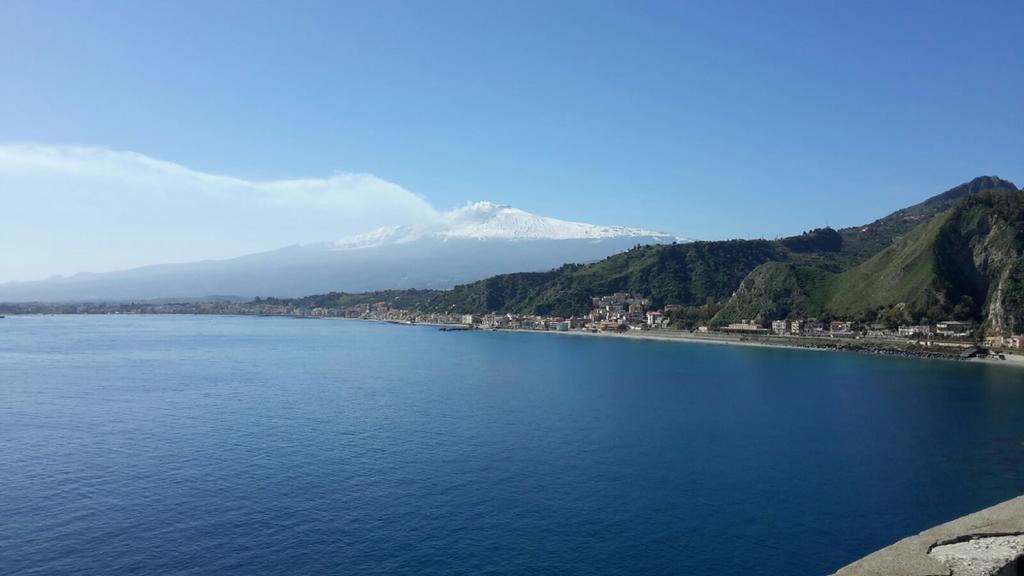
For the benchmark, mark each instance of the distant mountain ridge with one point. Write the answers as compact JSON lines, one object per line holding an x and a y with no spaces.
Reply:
{"x":476,"y":241}
{"x":958,"y":255}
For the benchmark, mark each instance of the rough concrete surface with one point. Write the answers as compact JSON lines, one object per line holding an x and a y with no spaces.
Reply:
{"x":911,"y":556}
{"x":983,"y":556}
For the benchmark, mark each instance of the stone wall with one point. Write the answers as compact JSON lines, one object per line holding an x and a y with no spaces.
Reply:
{"x":986,"y":543}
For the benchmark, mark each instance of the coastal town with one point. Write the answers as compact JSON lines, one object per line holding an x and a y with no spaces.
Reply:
{"x":620,"y":313}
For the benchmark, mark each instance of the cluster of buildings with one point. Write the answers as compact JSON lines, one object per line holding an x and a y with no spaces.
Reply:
{"x":623,"y":311}
{"x":1015,"y":342}
{"x":618,"y":312}
{"x":805,"y":327}
{"x":844,"y":329}
{"x":614,"y":311}
{"x":946,"y":330}
{"x":383,"y":311}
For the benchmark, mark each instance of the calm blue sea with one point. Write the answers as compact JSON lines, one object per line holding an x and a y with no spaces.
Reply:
{"x":224,"y":445}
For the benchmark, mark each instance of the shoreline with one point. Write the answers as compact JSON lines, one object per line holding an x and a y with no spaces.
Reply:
{"x":1012,"y":360}
{"x":866,"y":347}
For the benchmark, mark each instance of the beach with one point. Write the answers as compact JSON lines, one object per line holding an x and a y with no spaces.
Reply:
{"x":873,"y":347}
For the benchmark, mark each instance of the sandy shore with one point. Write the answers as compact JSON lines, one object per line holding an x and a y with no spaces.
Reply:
{"x":816,"y":345}
{"x":881,"y":347}
{"x":1015,"y":360}
{"x":666,"y":336}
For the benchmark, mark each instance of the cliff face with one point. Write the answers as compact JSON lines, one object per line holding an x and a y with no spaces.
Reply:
{"x":773,"y":290}
{"x":965,"y":263}
{"x":981,"y":256}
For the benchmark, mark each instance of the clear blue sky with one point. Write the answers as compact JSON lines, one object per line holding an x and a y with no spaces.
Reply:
{"x":708,"y":119}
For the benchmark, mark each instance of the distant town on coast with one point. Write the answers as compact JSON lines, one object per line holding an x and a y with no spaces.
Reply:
{"x":621,"y":314}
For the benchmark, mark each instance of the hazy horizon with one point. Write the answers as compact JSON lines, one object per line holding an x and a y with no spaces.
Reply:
{"x":219,"y":132}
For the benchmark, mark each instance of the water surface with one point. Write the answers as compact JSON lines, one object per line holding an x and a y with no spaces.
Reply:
{"x":230,"y":445}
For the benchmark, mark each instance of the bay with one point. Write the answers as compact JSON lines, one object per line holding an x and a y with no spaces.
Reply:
{"x":241,"y":445}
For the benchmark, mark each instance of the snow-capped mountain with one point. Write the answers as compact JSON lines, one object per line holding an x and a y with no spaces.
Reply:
{"x":473,"y":242}
{"x":490,"y":221}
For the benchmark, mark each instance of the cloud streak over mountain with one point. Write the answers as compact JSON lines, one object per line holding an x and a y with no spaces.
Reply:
{"x":96,"y":209}
{"x":74,"y":209}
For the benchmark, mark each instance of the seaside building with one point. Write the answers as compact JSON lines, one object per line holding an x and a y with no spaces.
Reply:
{"x":880,"y":332}
{"x":745,"y":327}
{"x":780,"y":327}
{"x":915,"y":330}
{"x":1012,"y":341}
{"x":954,"y":328}
{"x":656,"y":320}
{"x":813,"y":327}
{"x":839,"y":326}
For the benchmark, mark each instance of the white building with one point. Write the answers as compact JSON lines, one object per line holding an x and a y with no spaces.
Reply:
{"x":920,"y":329}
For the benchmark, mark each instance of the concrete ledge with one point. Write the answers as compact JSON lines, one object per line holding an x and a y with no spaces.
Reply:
{"x":910,"y":556}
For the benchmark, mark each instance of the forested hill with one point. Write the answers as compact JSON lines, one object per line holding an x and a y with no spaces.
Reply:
{"x":862,"y":242}
{"x":958,"y":255}
{"x":955,"y":255}
{"x":691,"y":273}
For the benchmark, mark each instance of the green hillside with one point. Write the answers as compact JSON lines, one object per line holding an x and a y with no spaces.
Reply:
{"x":776,"y":290}
{"x":957,"y":255}
{"x":939,"y":259}
{"x":863,"y":242}
{"x":903,"y":272}
{"x":961,"y":264}
{"x":690,"y":274}
{"x":401,"y":299}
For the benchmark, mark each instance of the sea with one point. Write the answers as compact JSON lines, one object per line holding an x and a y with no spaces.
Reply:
{"x":196,"y":445}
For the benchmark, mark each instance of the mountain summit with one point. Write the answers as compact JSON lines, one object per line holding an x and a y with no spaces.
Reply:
{"x":475,"y":241}
{"x":490,"y":221}
{"x":958,"y":255}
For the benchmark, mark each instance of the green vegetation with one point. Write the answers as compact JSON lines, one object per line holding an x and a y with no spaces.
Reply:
{"x":950,"y":267}
{"x":903,"y":272}
{"x":687,"y":274}
{"x":773,"y":290}
{"x":958,"y":255}
{"x":862,"y":242}
{"x":942,"y":258}
{"x":401,"y":299}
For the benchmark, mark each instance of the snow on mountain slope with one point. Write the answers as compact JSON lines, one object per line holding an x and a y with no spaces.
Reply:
{"x":477,"y":241}
{"x":490,"y":221}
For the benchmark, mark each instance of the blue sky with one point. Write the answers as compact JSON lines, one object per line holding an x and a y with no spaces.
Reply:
{"x":707,"y":119}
